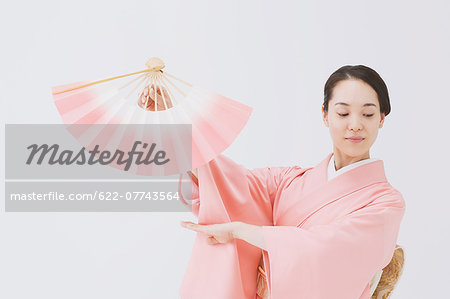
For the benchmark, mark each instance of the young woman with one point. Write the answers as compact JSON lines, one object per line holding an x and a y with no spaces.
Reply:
{"x":292,"y":232}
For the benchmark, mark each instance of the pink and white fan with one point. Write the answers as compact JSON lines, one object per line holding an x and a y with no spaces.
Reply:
{"x":152,"y":97}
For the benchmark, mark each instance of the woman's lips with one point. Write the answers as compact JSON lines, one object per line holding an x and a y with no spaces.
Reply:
{"x":355,"y":139}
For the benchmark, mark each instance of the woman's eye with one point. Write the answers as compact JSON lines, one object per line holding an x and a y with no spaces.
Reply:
{"x":368,"y":115}
{"x":343,"y":114}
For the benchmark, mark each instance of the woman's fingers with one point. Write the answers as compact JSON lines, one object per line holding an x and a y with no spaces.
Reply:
{"x":212,"y":241}
{"x":152,"y":96}
{"x":186,"y":224}
{"x":195,"y":227}
{"x":218,"y":233}
{"x":158,"y":92}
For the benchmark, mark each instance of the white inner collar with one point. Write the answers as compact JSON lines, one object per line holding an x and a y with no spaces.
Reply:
{"x":332,"y":172}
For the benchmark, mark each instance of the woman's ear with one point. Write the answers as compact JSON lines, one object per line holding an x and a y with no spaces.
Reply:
{"x":325,"y":116}
{"x":382,"y":120}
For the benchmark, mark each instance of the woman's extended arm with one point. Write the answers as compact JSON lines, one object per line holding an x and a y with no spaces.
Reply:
{"x":226,"y":232}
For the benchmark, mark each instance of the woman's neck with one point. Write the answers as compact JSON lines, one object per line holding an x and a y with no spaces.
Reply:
{"x":342,"y":160}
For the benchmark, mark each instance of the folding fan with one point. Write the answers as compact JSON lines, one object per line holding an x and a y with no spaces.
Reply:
{"x":153,"y":96}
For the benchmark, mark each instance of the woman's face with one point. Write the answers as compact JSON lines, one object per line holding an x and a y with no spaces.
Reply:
{"x":353,"y":118}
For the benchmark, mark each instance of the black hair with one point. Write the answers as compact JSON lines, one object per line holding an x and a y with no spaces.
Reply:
{"x":358,"y":72}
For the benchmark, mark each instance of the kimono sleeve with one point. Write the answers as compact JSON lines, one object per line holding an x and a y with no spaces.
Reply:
{"x":235,"y":188}
{"x":336,"y":260}
{"x":229,"y":192}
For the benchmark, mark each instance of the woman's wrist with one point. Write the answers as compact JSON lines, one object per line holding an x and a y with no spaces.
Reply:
{"x":250,"y":233}
{"x":237,"y":230}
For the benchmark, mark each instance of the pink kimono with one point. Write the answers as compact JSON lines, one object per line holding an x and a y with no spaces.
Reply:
{"x":325,"y":239}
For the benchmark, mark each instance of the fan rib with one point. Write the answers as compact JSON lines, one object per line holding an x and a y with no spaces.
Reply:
{"x":101,"y":81}
{"x":132,"y":81}
{"x":176,"y":78}
{"x":168,"y":89}
{"x":171,"y":83}
{"x":134,"y":89}
{"x":162,"y":91}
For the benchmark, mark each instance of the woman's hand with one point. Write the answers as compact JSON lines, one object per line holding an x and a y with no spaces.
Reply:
{"x":217,"y":233}
{"x":226,"y":232}
{"x":147,"y":98}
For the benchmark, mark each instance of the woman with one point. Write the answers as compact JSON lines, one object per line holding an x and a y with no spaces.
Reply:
{"x":320,"y":232}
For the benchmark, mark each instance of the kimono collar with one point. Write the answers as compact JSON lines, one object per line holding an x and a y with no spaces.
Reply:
{"x":332,"y":172}
{"x":364,"y":174}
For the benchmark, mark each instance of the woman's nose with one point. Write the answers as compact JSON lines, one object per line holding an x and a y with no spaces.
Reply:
{"x":355,"y":124}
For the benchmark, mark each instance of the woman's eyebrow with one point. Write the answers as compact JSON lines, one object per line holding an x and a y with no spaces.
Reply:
{"x":365,"y":105}
{"x":369,"y":104}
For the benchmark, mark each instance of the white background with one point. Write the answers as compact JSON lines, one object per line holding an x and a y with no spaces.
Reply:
{"x":273,"y":57}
